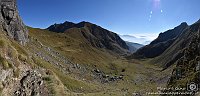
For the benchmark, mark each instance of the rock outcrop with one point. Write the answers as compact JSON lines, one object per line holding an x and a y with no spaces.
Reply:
{"x":11,"y":22}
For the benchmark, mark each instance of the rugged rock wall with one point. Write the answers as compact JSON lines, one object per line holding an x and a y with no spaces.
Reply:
{"x":11,"y":22}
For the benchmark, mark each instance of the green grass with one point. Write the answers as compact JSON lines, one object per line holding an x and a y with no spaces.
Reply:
{"x":16,"y":72}
{"x":3,"y":43}
{"x":4,"y":63}
{"x":1,"y":89}
{"x":8,"y":49}
{"x":22,"y":57}
{"x":47,"y":78}
{"x":50,"y":85}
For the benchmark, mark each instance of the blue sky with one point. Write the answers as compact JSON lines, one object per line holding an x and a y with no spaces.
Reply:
{"x":139,"y":18}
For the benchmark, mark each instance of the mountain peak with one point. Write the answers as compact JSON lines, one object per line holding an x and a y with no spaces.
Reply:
{"x":67,"y":25}
{"x":84,"y":22}
{"x":183,"y":25}
{"x":67,"y":22}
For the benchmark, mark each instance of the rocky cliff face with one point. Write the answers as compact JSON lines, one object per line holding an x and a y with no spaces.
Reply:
{"x":17,"y":76}
{"x":11,"y":22}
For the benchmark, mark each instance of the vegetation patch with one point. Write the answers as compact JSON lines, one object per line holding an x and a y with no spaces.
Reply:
{"x":3,"y":43}
{"x":22,"y":57}
{"x":4,"y":63}
{"x":16,"y":72}
{"x":46,"y":78}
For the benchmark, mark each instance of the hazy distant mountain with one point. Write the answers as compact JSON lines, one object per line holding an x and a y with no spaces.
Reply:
{"x":94,"y":34}
{"x":142,"y":40}
{"x":133,"y":47}
{"x":136,"y":45}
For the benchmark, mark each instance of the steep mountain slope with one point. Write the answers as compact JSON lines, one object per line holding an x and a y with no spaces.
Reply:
{"x":187,"y":68}
{"x":18,"y":76}
{"x":167,"y":48}
{"x":174,"y":52}
{"x":181,"y":55}
{"x":92,"y":34}
{"x":159,"y":45}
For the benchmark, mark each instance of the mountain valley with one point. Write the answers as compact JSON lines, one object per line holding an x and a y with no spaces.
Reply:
{"x":84,"y":59}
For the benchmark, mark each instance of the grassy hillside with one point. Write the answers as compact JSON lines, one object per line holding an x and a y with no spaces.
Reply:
{"x":74,"y":46}
{"x":96,"y":71}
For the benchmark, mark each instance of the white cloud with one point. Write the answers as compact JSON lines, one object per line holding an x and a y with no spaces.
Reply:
{"x":141,"y":38}
{"x":148,"y":36}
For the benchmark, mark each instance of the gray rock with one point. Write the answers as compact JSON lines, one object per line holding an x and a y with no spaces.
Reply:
{"x":31,"y":84}
{"x":11,"y":22}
